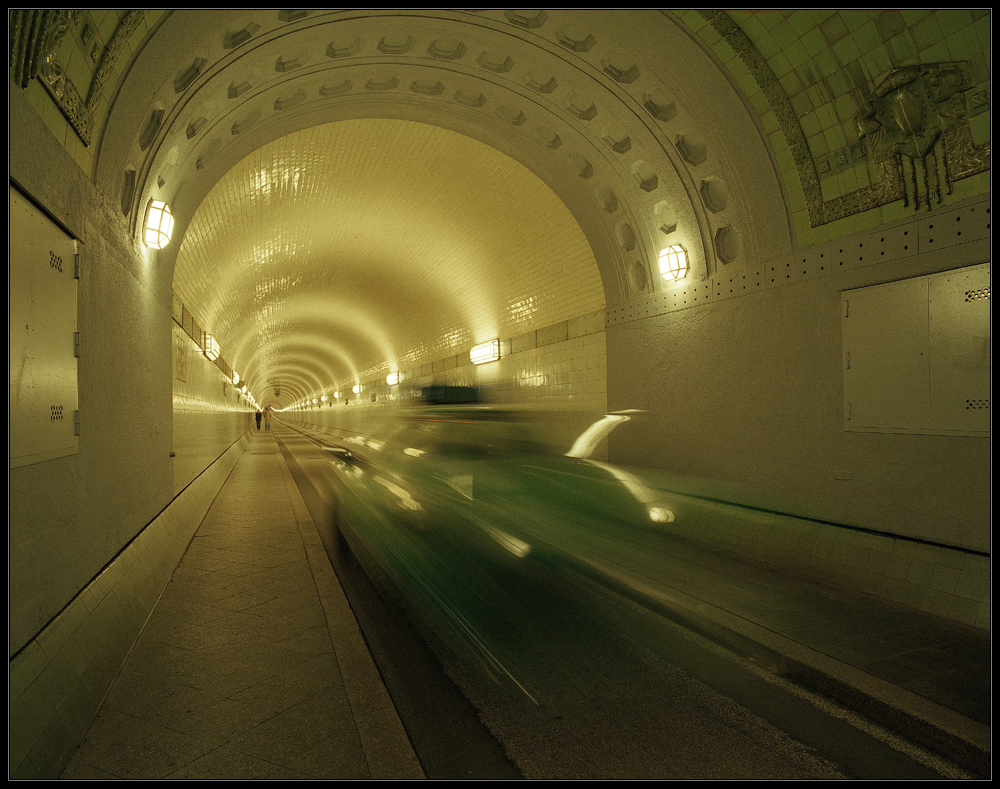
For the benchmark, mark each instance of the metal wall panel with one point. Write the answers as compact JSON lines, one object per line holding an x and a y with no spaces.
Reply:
{"x":959,"y":318}
{"x":917,"y":354}
{"x":43,"y":341}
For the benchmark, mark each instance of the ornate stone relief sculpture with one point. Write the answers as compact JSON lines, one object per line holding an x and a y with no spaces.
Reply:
{"x":35,"y":39}
{"x":918,"y":114}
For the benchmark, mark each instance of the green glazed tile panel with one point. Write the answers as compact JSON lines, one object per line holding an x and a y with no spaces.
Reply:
{"x":810,"y":72}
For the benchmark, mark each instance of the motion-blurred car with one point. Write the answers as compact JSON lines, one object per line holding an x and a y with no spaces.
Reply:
{"x":479,"y":476}
{"x":458,"y":510}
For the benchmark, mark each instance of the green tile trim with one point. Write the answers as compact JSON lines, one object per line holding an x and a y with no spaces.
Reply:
{"x":47,"y":31}
{"x":960,"y":156}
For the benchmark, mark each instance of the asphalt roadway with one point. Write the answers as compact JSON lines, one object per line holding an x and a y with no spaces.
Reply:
{"x":587,"y":678}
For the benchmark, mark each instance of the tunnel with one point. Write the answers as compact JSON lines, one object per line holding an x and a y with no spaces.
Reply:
{"x":765,"y":234}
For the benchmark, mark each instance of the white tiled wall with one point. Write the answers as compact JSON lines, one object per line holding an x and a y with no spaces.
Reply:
{"x":58,"y":679}
{"x":209,"y":414}
{"x":950,"y":583}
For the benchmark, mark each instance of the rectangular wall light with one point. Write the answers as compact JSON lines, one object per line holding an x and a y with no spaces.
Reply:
{"x":392,"y":378}
{"x":485,"y":352}
{"x":158,"y":226}
{"x":211,"y":347}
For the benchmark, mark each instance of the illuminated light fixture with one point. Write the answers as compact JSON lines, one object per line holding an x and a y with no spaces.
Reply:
{"x":211,"y":347}
{"x":673,"y":263}
{"x":336,"y":395}
{"x":392,"y":378}
{"x":158,"y":226}
{"x":323,"y":399}
{"x":356,"y":389}
{"x":661,"y":515}
{"x":236,"y":379}
{"x":485,"y":352}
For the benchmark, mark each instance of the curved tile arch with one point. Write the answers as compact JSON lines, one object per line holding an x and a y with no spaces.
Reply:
{"x":333,"y":357}
{"x":281,"y":268}
{"x":277,"y":23}
{"x":334,"y":346}
{"x":289,"y":392}
{"x":311,"y":21}
{"x":641,"y":166}
{"x":290,"y":383}
{"x":314,"y":311}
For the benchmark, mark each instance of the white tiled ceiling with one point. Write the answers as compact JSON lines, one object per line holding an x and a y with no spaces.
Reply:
{"x":364,"y":244}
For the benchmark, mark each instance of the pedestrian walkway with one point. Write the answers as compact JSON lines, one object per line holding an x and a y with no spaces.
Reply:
{"x":251,"y":665}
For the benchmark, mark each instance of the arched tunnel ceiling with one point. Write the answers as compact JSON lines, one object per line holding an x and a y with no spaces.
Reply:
{"x":383,"y":187}
{"x":369,"y":244}
{"x":727,"y":132}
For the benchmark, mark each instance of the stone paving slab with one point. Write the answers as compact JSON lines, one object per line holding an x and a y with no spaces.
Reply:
{"x":251,"y":664}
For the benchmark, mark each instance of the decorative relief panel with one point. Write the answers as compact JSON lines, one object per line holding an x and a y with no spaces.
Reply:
{"x":36,"y":39}
{"x":918,"y":113}
{"x":913,"y":127}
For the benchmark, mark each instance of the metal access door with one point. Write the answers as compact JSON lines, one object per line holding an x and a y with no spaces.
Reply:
{"x":917,"y":355}
{"x":44,"y":403}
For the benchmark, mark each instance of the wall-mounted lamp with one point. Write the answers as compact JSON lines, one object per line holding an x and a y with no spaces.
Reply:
{"x":158,"y":225}
{"x":673,"y":263}
{"x":236,"y":378}
{"x":211,"y":347}
{"x":336,"y":395}
{"x":392,"y":378}
{"x":356,"y":389}
{"x":485,"y":352}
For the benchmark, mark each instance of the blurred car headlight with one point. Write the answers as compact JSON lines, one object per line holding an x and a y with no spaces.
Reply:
{"x":660,"y":515}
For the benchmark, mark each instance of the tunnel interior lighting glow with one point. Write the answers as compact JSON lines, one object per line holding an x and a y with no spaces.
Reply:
{"x":211,"y":347}
{"x":356,"y":389}
{"x":158,"y":226}
{"x":236,"y":379}
{"x":673,"y":263}
{"x":392,"y":378}
{"x":485,"y":352}
{"x":336,"y":395}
